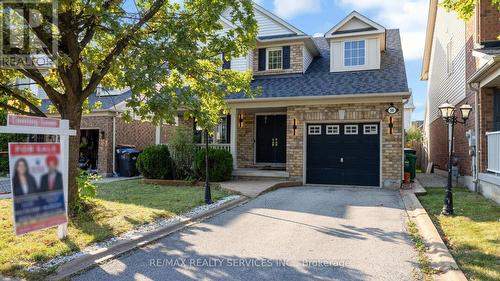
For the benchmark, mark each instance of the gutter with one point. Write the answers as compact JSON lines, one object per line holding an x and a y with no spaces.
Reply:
{"x":483,"y":70}
{"x":395,"y":94}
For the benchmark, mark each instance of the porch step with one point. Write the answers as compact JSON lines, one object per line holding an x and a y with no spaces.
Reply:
{"x":260,"y":174}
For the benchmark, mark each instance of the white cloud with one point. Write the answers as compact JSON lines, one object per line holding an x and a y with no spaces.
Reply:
{"x":410,"y":16}
{"x":288,"y":9}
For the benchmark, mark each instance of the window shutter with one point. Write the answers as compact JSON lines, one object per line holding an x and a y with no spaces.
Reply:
{"x":286,"y":57}
{"x":226,"y":63}
{"x":262,"y":59}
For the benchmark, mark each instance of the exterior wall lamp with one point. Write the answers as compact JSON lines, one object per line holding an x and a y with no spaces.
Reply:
{"x":448,"y":113}
{"x":241,"y":120}
{"x":294,"y":127}
{"x":392,"y":109}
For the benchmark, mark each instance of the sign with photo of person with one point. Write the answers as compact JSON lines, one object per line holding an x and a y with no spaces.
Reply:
{"x":37,"y":186}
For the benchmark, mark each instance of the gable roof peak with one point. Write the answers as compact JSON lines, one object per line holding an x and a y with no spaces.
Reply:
{"x":355,"y":23}
{"x":277,"y":19}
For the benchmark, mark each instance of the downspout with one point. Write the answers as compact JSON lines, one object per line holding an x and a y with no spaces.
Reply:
{"x":114,"y":146}
{"x":477,"y":106}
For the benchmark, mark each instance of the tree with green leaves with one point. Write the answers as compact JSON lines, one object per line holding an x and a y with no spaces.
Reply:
{"x":465,"y":8}
{"x":169,"y":54}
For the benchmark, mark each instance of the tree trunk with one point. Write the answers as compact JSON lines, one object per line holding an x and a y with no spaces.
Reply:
{"x":73,"y":113}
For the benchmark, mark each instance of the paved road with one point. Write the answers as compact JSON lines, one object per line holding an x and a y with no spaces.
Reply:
{"x":306,"y":233}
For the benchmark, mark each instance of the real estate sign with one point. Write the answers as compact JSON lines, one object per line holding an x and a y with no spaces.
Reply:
{"x":37,"y":186}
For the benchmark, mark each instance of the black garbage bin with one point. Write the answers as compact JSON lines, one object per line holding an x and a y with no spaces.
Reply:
{"x":126,"y":161}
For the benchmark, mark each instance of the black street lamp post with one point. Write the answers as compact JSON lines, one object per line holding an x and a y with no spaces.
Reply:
{"x":208,"y":194}
{"x":448,"y":112}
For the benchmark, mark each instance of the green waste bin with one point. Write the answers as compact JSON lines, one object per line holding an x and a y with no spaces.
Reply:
{"x":412,"y":164}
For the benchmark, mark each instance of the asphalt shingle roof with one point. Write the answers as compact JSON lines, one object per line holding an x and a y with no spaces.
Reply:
{"x":108,"y":102}
{"x":319,"y":81}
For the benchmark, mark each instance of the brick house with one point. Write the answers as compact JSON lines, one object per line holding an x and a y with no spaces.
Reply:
{"x":461,"y":66}
{"x":104,"y":129}
{"x":331,"y":109}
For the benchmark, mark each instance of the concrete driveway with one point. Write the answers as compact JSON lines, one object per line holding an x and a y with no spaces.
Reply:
{"x":306,"y":233}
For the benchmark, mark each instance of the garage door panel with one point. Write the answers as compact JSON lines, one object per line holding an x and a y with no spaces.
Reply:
{"x":347,"y":157}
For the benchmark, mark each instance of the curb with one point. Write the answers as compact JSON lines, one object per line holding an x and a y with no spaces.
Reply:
{"x":419,"y":188}
{"x":89,"y":260}
{"x":439,"y":255}
{"x":280,"y":185}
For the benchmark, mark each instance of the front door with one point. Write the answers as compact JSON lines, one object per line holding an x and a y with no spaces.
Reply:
{"x":271,"y":139}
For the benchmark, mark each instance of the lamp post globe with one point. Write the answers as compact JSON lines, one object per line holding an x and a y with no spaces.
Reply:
{"x":466,"y":110}
{"x":447,"y":110}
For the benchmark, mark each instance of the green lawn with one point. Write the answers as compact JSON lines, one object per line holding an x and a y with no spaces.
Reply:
{"x":119,"y":207}
{"x":472,"y":234}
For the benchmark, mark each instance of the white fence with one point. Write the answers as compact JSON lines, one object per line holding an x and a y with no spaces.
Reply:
{"x":493,"y":152}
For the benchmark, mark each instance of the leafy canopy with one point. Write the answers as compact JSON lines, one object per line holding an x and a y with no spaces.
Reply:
{"x":167,"y":53}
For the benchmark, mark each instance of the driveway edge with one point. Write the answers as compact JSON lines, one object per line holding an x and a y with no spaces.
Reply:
{"x":87,"y":261}
{"x":441,"y":259}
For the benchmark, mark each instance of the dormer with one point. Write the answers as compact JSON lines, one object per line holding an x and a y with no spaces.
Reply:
{"x":281,"y":48}
{"x":356,"y":44}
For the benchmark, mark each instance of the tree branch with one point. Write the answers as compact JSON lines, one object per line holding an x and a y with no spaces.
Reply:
{"x":22,"y":99}
{"x":121,"y":44}
{"x":36,"y":76}
{"x":17,"y":110}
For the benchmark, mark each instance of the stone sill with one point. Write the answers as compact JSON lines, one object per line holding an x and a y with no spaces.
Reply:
{"x":490,"y":178}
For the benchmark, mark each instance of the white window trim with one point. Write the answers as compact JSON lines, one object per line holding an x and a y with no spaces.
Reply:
{"x":351,"y":133}
{"x":267,"y":57}
{"x":314,"y":133}
{"x":370,"y":132}
{"x":343,"y":53}
{"x":333,"y":130}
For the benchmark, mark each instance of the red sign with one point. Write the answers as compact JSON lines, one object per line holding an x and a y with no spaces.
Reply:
{"x":20,"y":149}
{"x":30,"y":121}
{"x":37,"y":186}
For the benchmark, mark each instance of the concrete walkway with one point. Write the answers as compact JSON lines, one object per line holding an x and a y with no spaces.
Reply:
{"x":432,"y":180}
{"x":253,"y":188}
{"x":304,"y":233}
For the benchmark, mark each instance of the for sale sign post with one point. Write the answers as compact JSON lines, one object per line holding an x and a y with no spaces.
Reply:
{"x":37,"y":186}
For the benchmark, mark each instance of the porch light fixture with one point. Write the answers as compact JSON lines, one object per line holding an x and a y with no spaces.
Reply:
{"x":241,"y":120}
{"x":294,"y":127}
{"x":391,"y":125}
{"x":448,"y":113}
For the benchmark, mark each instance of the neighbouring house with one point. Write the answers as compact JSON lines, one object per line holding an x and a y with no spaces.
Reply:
{"x":461,"y":64}
{"x":104,"y":129}
{"x":408,"y":113}
{"x":331,"y":109}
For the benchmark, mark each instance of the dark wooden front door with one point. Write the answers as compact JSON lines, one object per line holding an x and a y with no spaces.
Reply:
{"x":271,"y":139}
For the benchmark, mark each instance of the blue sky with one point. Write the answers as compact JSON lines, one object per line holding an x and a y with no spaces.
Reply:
{"x":410,"y":16}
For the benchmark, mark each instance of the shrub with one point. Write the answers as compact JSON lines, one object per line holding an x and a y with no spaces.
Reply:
{"x":182,"y":150}
{"x":155,"y":163}
{"x":220,"y":164}
{"x":87,"y":190}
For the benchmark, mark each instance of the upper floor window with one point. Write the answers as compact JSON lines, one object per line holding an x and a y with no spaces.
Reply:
{"x":354,"y":53}
{"x":275,"y":58}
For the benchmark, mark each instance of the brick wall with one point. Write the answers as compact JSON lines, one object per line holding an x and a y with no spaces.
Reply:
{"x":490,"y":21}
{"x":486,"y":125}
{"x":137,"y":133}
{"x":392,"y":152}
{"x":245,"y":142}
{"x":296,"y":62}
